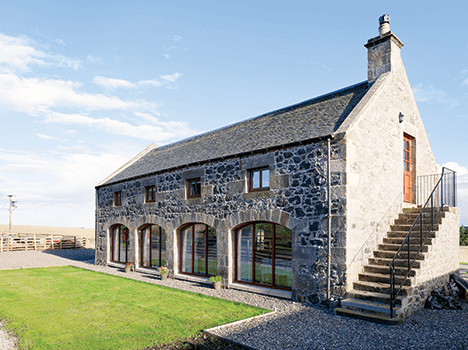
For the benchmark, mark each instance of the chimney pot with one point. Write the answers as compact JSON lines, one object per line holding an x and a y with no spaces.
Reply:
{"x":384,"y":22}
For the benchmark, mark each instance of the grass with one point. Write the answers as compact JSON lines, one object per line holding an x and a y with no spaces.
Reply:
{"x":72,"y":308}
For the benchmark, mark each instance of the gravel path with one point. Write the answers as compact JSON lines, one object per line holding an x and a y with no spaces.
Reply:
{"x":293,"y":326}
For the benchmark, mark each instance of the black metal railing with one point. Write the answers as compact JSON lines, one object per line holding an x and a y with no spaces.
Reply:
{"x":442,"y":194}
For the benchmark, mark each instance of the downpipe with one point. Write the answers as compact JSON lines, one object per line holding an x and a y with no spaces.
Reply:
{"x":329,"y":219}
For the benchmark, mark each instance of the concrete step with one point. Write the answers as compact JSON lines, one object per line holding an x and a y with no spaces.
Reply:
{"x":398,"y":262}
{"x":371,"y":306}
{"x":396,"y":247}
{"x":379,"y":287}
{"x":374,"y":296}
{"x":426,"y":227}
{"x":383,"y":278}
{"x":411,"y":220}
{"x":368,"y":316}
{"x":385,"y":270}
{"x":400,"y":240}
{"x":402,"y":255}
{"x":400,"y":234}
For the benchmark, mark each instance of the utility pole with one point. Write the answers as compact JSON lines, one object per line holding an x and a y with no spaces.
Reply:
{"x":12,"y":207}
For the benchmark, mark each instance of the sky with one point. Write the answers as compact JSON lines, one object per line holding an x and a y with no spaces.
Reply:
{"x":87,"y":85}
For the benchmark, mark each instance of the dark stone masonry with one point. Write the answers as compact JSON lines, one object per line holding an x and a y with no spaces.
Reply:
{"x":296,"y":199}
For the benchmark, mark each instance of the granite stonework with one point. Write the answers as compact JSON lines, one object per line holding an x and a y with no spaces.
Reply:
{"x":366,"y":123}
{"x":297,"y":199}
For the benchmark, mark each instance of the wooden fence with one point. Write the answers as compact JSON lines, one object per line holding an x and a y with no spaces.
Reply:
{"x":23,"y":241}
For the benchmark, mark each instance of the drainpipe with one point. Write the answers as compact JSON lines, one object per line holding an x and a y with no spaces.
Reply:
{"x":329,"y":219}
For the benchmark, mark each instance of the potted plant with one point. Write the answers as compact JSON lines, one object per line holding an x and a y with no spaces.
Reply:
{"x":163,"y":271}
{"x":128,"y":267}
{"x":216,"y":280}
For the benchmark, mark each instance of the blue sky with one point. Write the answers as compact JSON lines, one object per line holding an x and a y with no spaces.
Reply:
{"x":85,"y":86}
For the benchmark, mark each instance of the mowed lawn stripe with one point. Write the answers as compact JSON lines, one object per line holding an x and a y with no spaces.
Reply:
{"x":72,"y":308}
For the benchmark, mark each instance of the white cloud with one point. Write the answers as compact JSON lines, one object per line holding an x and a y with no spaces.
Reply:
{"x":59,"y":41}
{"x":113,"y":83}
{"x":166,"y":55}
{"x":171,"y":78}
{"x":462,"y":189}
{"x":33,"y":95}
{"x":153,"y":82}
{"x":465,"y":82}
{"x":45,"y":137}
{"x":431,"y":95}
{"x":461,"y":170}
{"x":177,"y":38}
{"x":19,"y":53}
{"x":162,"y":131}
{"x":94,"y":59}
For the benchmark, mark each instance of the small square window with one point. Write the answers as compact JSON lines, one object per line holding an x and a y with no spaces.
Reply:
{"x":193,"y":188}
{"x":150,"y":194}
{"x":259,"y":179}
{"x":118,"y":199}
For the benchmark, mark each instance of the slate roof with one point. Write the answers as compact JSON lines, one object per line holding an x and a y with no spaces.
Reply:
{"x":311,"y":119}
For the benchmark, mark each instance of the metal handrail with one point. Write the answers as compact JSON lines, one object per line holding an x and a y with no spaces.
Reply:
{"x":442,"y":200}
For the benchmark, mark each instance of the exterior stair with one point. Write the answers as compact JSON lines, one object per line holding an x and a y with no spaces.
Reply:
{"x":370,"y":297}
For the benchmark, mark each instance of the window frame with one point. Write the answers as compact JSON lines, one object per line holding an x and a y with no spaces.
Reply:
{"x":189,"y":183}
{"x":181,"y":260}
{"x":260,"y":171}
{"x":120,"y":231}
{"x":274,"y":257}
{"x":118,"y":198}
{"x":150,"y":253}
{"x":150,"y":194}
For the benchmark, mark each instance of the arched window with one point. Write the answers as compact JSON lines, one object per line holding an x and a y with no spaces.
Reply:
{"x":120,"y":243}
{"x":152,"y":242}
{"x":263,"y":255}
{"x":198,"y":253}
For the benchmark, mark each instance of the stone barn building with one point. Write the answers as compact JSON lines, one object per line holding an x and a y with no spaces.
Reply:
{"x":309,"y":202}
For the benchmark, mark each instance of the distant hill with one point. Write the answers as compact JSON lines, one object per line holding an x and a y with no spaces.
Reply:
{"x":69,"y":231}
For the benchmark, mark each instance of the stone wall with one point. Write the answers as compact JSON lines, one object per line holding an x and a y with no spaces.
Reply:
{"x":374,"y":147}
{"x":297,"y":199}
{"x":441,"y":260}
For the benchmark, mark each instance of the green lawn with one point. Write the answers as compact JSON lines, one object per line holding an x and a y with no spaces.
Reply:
{"x":72,"y":308}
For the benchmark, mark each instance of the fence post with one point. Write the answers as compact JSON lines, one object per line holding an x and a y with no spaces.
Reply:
{"x":60,"y":242}
{"x":35,"y":243}
{"x":26,"y":243}
{"x":1,"y":244}
{"x":52,"y":241}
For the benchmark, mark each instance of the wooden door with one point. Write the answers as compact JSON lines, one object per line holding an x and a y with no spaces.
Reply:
{"x":408,"y":168}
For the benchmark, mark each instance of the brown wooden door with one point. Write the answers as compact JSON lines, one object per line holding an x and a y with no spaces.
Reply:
{"x":407,"y":168}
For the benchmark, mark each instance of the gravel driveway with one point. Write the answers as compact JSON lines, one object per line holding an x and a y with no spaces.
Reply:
{"x":293,"y":326}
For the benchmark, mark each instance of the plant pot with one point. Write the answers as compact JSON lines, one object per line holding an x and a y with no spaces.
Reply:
{"x":128,"y":268}
{"x":217,"y":285}
{"x":164,"y":276}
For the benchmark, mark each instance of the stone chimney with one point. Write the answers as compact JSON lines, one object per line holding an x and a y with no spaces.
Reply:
{"x":383,"y":51}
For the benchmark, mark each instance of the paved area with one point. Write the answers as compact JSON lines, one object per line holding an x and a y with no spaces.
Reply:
{"x":293,"y":325}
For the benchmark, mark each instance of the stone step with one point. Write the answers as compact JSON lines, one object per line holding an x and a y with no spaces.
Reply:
{"x":402,"y":255}
{"x":411,"y":220}
{"x":383,"y":278}
{"x":407,"y":228}
{"x":399,"y":234}
{"x":396,"y":247}
{"x":385,"y":270}
{"x":400,"y":240}
{"x":374,"y":296}
{"x":379,"y":287}
{"x":366,"y":305}
{"x":398,"y":262}
{"x":368,"y":316}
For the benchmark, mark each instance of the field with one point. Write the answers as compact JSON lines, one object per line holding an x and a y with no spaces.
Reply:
{"x":69,"y":231}
{"x":71,"y":308}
